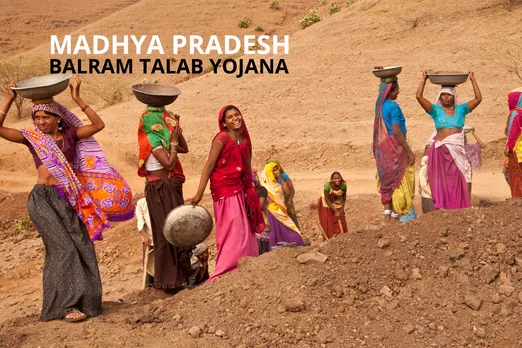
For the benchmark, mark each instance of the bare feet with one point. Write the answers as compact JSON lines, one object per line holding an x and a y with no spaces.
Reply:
{"x":74,"y":316}
{"x":159,"y":293}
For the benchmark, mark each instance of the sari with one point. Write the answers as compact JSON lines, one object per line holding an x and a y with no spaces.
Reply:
{"x":513,"y":160}
{"x":96,"y":191}
{"x":395,"y":178}
{"x":330,"y":224}
{"x":236,"y":206}
{"x":282,"y":227}
{"x":290,"y":207}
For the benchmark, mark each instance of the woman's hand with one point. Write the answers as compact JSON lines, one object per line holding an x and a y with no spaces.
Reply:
{"x":196,"y":199}
{"x":472,"y":76}
{"x":75,"y":89}
{"x":411,"y":157}
{"x":337,"y":214}
{"x":424,"y":76}
{"x":11,"y":95}
{"x":174,"y":135}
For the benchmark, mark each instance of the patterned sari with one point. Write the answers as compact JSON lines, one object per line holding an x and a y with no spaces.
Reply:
{"x":513,"y":161}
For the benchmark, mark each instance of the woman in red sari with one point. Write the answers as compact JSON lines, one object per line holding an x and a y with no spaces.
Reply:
{"x":236,"y":205}
{"x":331,"y":206}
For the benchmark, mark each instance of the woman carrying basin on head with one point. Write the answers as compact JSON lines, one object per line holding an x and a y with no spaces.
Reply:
{"x":236,"y":206}
{"x":449,"y":170}
{"x":393,"y":156}
{"x":67,"y":214}
{"x":160,"y":140}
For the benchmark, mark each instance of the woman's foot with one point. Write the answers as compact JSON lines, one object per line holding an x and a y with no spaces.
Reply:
{"x":159,"y":293}
{"x":74,"y":316}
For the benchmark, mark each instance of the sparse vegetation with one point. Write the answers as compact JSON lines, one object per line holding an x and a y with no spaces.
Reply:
{"x":415,"y":22}
{"x":509,"y":4}
{"x":311,"y":17}
{"x":109,"y":91}
{"x":350,"y":2}
{"x":245,"y":22}
{"x":511,"y":59}
{"x":259,"y":28}
{"x":18,"y":69}
{"x":274,"y":5}
{"x":23,"y":225}
{"x":333,"y":8}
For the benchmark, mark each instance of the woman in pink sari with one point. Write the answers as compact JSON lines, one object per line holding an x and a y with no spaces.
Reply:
{"x":236,"y":205}
{"x":449,"y":170}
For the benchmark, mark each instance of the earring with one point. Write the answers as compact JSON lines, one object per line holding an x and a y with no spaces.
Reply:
{"x":225,"y":126}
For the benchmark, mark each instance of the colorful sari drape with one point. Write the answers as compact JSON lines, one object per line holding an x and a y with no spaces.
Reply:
{"x":95,"y":190}
{"x":156,"y":125}
{"x":513,"y":161}
{"x":395,"y":182}
{"x":232,"y":174}
{"x":277,"y":198}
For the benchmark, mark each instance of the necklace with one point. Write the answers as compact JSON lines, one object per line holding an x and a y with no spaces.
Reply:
{"x":238,"y":140}
{"x":63,"y":143}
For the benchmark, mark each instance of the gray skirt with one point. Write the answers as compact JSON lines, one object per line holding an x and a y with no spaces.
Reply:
{"x":71,"y":279}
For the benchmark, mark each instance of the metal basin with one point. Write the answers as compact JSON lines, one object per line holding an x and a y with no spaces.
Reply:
{"x":388,"y":71}
{"x":153,"y":94}
{"x":187,"y":226}
{"x":447,"y":79}
{"x":42,"y":87}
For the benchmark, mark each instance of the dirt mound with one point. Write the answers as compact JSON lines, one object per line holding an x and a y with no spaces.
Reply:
{"x":450,"y":279}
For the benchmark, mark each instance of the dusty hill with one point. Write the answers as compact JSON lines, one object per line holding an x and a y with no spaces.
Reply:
{"x":316,"y":119}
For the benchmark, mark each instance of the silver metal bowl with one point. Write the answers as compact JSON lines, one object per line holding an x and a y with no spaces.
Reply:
{"x":156,"y":95}
{"x":42,"y":87}
{"x":187,"y":226}
{"x":448,"y":79}
{"x":388,"y":71}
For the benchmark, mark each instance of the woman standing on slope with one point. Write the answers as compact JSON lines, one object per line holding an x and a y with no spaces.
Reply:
{"x":236,"y":205}
{"x":449,"y":170}
{"x":394,"y":158}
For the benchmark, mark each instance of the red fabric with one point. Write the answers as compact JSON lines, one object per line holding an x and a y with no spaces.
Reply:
{"x":329,"y":222}
{"x":145,"y":148}
{"x":515,"y":175}
{"x":390,"y":157}
{"x":232,"y":174}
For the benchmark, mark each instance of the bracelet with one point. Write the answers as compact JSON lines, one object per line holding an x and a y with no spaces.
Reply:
{"x":3,"y":113}
{"x":175,"y":144}
{"x":85,"y":107}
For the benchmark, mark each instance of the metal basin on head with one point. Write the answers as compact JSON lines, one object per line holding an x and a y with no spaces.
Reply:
{"x":42,"y":87}
{"x":153,"y":94}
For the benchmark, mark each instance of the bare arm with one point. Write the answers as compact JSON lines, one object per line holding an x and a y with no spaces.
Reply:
{"x":426,"y":105}
{"x":401,"y":138}
{"x":472,"y":104}
{"x":96,"y":122}
{"x":182,"y":143}
{"x":7,"y":133}
{"x":215,"y":151}
{"x":291,"y":190}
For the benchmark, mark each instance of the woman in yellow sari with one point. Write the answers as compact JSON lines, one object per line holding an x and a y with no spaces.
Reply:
{"x":282,"y":228}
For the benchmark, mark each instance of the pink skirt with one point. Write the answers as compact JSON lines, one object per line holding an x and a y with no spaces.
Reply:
{"x":234,"y":238}
{"x":449,"y":189}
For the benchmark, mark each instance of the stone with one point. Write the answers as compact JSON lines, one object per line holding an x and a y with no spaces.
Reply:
{"x":195,"y":332}
{"x":479,"y":332}
{"x":496,"y":299}
{"x":325,"y":336}
{"x":408,"y":328}
{"x":443,"y":271}
{"x":281,"y":308}
{"x":400,"y":274}
{"x":506,"y":290}
{"x":383,"y":243}
{"x":415,"y":274}
{"x":219,"y":333}
{"x":309,"y":258}
{"x":386,"y":291}
{"x":243,"y":303}
{"x":176,"y":318}
{"x":488,"y":274}
{"x":501,"y":248}
{"x":473,"y":302}
{"x":294,"y":304}
{"x":457,"y":254}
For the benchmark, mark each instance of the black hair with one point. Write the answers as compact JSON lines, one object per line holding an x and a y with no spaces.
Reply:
{"x":331,"y":176}
{"x":228,"y":108}
{"x":394,"y":86}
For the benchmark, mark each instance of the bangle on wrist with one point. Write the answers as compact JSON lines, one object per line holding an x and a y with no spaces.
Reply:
{"x":3,"y":113}
{"x":85,"y":107}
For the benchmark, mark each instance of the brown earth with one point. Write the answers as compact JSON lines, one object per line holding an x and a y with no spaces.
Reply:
{"x":315,"y":120}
